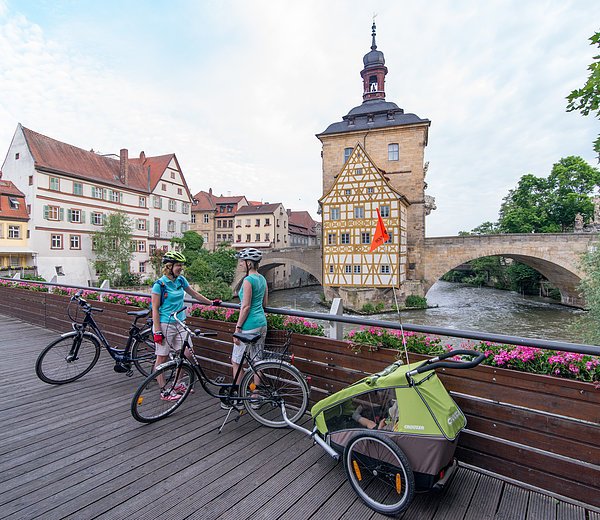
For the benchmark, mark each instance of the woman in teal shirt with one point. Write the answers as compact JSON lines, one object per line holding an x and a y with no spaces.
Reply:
{"x":253,"y":298}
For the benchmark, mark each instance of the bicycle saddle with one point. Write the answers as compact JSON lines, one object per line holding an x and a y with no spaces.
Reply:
{"x":143,"y":312}
{"x":247,"y":338}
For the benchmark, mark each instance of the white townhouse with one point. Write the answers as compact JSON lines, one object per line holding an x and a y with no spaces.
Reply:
{"x":69,"y":191}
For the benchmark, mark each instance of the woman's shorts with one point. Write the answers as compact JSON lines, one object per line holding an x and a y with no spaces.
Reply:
{"x":255,"y":351}
{"x":174,"y":334}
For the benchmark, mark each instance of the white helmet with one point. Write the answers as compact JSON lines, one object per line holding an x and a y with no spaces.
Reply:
{"x":249,"y":254}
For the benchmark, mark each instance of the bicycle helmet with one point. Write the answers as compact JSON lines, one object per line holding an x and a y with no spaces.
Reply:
{"x":249,"y":254}
{"x":172,"y":257}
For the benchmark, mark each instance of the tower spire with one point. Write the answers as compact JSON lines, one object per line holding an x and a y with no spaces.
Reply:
{"x":375,"y":70}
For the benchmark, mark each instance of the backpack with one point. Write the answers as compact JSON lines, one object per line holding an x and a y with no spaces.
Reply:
{"x":163,"y":293}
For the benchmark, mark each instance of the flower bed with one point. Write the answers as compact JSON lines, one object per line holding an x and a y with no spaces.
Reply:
{"x":569,"y":365}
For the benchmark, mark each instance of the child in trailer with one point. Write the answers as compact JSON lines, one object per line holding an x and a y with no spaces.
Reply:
{"x":386,"y":423}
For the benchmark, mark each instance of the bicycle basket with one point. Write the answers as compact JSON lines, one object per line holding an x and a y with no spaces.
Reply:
{"x":277,"y":345}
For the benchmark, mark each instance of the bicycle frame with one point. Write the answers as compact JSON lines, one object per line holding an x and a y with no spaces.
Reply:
{"x":119,"y":355}
{"x":204,"y":380}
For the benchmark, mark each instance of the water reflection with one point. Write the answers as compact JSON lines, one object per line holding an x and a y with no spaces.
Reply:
{"x":461,"y":306}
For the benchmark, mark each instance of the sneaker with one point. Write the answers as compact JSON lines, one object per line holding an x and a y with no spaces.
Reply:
{"x":255,"y":402}
{"x":180,"y":388}
{"x":227,"y":406}
{"x":170,"y":396}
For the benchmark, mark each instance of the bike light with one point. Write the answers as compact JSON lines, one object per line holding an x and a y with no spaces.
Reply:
{"x":356,"y":470}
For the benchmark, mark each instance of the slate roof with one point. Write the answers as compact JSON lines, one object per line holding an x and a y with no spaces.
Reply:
{"x":375,"y":113}
{"x":302,"y":223}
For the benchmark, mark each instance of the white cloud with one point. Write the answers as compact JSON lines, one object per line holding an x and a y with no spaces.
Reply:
{"x":239,"y":89}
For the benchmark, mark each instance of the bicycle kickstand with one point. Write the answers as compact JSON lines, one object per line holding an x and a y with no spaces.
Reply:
{"x":227,"y":418}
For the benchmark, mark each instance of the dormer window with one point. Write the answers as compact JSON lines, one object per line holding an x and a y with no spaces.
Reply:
{"x":14,"y":202}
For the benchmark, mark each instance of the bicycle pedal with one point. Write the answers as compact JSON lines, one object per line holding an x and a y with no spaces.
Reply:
{"x":129,"y":374}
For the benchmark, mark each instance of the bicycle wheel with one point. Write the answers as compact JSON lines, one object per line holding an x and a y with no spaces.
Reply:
{"x":157,"y":396}
{"x":379,"y":473}
{"x":278,"y":381}
{"x":67,"y":359}
{"x":143,"y":352}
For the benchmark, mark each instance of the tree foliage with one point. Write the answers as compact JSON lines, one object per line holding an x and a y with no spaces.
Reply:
{"x":112,"y":246}
{"x":213,"y":272}
{"x":589,"y":325}
{"x":547,"y":204}
{"x":587,"y":99}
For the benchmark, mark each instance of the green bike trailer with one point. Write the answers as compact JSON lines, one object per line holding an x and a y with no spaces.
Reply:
{"x":408,"y":405}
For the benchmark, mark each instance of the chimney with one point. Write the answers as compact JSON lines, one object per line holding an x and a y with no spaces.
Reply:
{"x":210,"y":191}
{"x":289,"y":212}
{"x":142,"y":156}
{"x":124,"y":166}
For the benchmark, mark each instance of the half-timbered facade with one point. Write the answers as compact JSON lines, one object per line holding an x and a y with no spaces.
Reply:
{"x":349,"y":221}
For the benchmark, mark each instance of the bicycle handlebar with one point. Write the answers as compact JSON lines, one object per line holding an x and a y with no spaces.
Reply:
{"x":83,"y":303}
{"x":436,"y":362}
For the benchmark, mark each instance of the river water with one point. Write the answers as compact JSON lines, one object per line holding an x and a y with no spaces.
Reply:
{"x":460,"y":306}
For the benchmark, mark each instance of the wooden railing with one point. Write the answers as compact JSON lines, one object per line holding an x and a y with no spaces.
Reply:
{"x":537,"y":429}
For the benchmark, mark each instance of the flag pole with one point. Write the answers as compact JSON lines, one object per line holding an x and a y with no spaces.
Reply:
{"x":400,"y":316}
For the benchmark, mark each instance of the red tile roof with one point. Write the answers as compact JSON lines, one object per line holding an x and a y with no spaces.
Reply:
{"x":9,"y":191}
{"x":302,"y":219}
{"x":56,"y":156}
{"x":206,"y":201}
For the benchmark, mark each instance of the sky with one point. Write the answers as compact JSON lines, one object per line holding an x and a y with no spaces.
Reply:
{"x":237,"y":89}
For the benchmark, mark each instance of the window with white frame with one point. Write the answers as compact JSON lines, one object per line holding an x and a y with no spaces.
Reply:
{"x":75,"y":241}
{"x":142,"y":202}
{"x":52,"y":213}
{"x":347,"y":152}
{"x":75,"y":216}
{"x":141,"y":224}
{"x":185,"y":208}
{"x":391,"y":239}
{"x":359,"y":212}
{"x":331,"y":239}
{"x":369,"y":190}
{"x":97,"y":193}
{"x":141,"y":246}
{"x":172,"y":205}
{"x":384,"y":211}
{"x":205,"y":218}
{"x":393,"y":152}
{"x":193,"y":218}
{"x":345,"y":238}
{"x":77,"y":188}
{"x":365,"y":237}
{"x":171,"y":226}
{"x":54,"y":183}
{"x":14,"y":231}
{"x":97,"y":219}
{"x":348,"y":269}
{"x":56,"y":242}
{"x":334,"y":213}
{"x":114,"y":196}
{"x":267,"y":222}
{"x":357,"y":269}
{"x":385,"y":269}
{"x":157,"y":202}
{"x":331,"y":268}
{"x":142,"y":267}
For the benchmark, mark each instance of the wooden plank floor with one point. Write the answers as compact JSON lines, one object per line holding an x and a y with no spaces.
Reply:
{"x":74,"y":451}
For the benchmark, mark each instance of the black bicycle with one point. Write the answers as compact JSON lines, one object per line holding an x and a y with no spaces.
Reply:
{"x":75,"y":353}
{"x":267,"y":388}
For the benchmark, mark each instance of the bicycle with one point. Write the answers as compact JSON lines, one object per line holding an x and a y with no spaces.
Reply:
{"x":75,"y":353}
{"x":280,"y":386}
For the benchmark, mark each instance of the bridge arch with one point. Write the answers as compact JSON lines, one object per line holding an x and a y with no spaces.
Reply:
{"x":307,"y":259}
{"x":556,"y":256}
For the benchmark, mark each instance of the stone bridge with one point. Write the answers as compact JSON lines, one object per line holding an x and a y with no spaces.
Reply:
{"x":554,"y":255}
{"x":306,"y":258}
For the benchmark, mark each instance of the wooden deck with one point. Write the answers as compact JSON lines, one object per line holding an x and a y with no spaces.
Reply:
{"x":74,"y":451}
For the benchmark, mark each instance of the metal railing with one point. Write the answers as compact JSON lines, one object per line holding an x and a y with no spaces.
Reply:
{"x":333,"y":318}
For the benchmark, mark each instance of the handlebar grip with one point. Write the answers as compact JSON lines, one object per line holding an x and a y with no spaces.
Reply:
{"x":437,"y":362}
{"x":96,"y":309}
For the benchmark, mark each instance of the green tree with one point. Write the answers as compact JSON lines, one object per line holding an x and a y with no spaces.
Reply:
{"x":190,"y":244}
{"x":549,"y":205}
{"x":223,"y":263}
{"x":587,"y":98}
{"x":112,"y":246}
{"x":589,"y":326}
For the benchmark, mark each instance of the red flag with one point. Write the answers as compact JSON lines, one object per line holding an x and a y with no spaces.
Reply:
{"x":381,"y":234}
